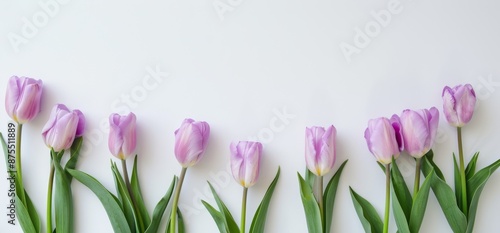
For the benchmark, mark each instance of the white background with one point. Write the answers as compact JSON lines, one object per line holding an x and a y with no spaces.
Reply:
{"x":236,"y":69}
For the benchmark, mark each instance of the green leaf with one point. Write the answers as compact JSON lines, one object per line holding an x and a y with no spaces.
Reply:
{"x":401,"y":191}
{"x":23,"y":217}
{"x":471,"y":167}
{"x":420,"y":204}
{"x":127,"y":210}
{"x":367,"y":214}
{"x":458,"y":183}
{"x":181,"y":228}
{"x":127,"y":201}
{"x":329,"y":197}
{"x":231,"y":225}
{"x":32,"y":212}
{"x":217,"y":216}
{"x":136,"y":191}
{"x":259,"y":218}
{"x":5,"y":152}
{"x":74,"y":154}
{"x":63,"y":195}
{"x":382,"y":167}
{"x":309,"y":177}
{"x":474,"y":188}
{"x":428,"y":164}
{"x":446,"y":198}
{"x":108,"y":200}
{"x":311,"y":208}
{"x":399,"y":215}
{"x":160,"y":209}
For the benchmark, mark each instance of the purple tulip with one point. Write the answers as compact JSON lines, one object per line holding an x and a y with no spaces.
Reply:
{"x":245,"y":162}
{"x":62,"y":127}
{"x":320,"y":149}
{"x":122,"y":136}
{"x":23,"y":98}
{"x":458,"y":104}
{"x":384,"y":139}
{"x":419,"y":129}
{"x":191,"y":140}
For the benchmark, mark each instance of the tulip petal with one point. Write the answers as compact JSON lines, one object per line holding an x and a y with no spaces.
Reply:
{"x":59,"y":131}
{"x":122,"y":135}
{"x":245,"y":162}
{"x":326,"y":158}
{"x":466,"y":101}
{"x":449,"y":103}
{"x":381,"y":139}
{"x":22,"y":99}
{"x":415,"y":132}
{"x":29,"y":102}
{"x":81,"y":123}
{"x":191,"y":140}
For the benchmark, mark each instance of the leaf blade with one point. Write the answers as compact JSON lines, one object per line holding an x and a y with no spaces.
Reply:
{"x":420,"y":204}
{"x":474,"y":188}
{"x":109,"y":202}
{"x":136,"y":191}
{"x":367,"y":214}
{"x":259,"y":218}
{"x":329,"y":197}
{"x":160,"y":209}
{"x":311,"y":208}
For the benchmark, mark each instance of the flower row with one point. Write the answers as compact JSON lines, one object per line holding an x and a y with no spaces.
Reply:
{"x":413,"y":131}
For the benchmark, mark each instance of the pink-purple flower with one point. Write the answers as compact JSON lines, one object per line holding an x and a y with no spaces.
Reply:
{"x":191,"y":141}
{"x":320,"y":149}
{"x":384,"y":139}
{"x":245,"y":162}
{"x":419,"y":130}
{"x":122,"y":135}
{"x":458,"y":104}
{"x":23,"y":98}
{"x":62,"y":127}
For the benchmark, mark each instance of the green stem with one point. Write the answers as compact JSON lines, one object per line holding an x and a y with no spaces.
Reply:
{"x":462,"y":171}
{"x":49,"y":197}
{"x":130,"y":193}
{"x":243,"y":209}
{"x":416,"y":185}
{"x":20,"y":188}
{"x":319,"y":194}
{"x":387,"y":196}
{"x":176,"y":200}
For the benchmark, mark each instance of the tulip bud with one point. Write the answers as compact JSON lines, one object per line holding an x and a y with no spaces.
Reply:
{"x":191,"y":141}
{"x":320,"y":149}
{"x":23,"y":98}
{"x":62,"y":127}
{"x":245,"y":162}
{"x":382,"y":139}
{"x":122,"y":136}
{"x":458,"y":104}
{"x":419,"y":129}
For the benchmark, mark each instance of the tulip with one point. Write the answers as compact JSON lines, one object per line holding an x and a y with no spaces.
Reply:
{"x":62,"y":127}
{"x":23,"y":97}
{"x":458,"y":107}
{"x":122,"y":136}
{"x":382,"y":139}
{"x":419,"y":129}
{"x":191,"y":140}
{"x":245,"y":162}
{"x":458,"y":104}
{"x":320,"y":149}
{"x":385,"y":142}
